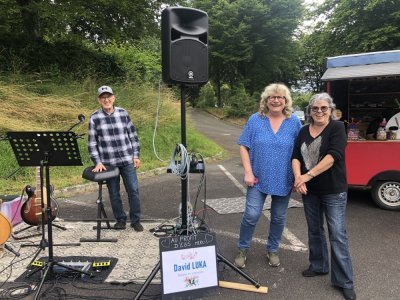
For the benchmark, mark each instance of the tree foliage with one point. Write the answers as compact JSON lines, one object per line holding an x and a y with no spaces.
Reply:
{"x":348,"y":27}
{"x":251,"y":41}
{"x":99,"y":21}
{"x":82,"y":38}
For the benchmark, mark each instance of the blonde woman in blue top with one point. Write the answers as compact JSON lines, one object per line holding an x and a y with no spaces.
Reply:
{"x":266,"y":146}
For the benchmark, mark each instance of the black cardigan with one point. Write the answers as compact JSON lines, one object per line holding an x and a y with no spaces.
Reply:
{"x":310,"y":151}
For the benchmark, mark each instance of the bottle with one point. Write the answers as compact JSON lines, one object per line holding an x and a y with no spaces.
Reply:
{"x":381,"y":133}
{"x":383,"y":123}
{"x":352,"y":130}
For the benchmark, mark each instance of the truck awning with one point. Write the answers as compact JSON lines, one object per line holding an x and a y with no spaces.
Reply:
{"x":363,"y":65}
{"x":362,"y":71}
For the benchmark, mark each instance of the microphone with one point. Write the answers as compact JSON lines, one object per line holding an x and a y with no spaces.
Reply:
{"x":11,"y":250}
{"x":81,"y":119}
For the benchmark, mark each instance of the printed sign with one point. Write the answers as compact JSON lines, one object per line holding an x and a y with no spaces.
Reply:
{"x":188,"y":265}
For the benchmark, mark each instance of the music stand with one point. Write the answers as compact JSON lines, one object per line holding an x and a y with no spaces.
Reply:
{"x":45,"y":149}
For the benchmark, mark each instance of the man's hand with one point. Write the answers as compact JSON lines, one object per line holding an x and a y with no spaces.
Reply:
{"x":99,"y":168}
{"x":136,"y":163}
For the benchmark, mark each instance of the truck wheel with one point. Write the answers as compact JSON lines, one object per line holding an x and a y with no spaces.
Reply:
{"x":386,"y":194}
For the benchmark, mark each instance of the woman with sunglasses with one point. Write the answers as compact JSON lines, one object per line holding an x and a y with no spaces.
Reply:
{"x":318,"y":163}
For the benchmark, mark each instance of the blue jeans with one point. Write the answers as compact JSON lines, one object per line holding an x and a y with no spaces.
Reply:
{"x":334,"y":208}
{"x":254,"y":205}
{"x":128,"y":174}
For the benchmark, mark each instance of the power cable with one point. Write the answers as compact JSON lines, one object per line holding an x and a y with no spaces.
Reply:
{"x":156,"y":121}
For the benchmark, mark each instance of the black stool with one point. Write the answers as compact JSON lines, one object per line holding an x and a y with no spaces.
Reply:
{"x":101,"y":178}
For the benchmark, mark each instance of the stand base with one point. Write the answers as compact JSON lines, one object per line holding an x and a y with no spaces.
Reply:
{"x":98,"y":240}
{"x":101,"y":217}
{"x":48,"y":268}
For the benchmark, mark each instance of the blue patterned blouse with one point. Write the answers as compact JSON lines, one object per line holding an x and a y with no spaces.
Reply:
{"x":270,"y":153}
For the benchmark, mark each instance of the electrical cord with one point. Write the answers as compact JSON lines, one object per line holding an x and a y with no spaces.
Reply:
{"x":156,"y":121}
{"x":180,"y":162}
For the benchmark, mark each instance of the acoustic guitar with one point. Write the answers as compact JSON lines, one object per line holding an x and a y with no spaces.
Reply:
{"x":31,"y":210}
{"x":5,"y":228}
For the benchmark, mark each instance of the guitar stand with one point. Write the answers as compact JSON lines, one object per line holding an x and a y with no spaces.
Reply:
{"x":100,"y":178}
{"x":16,"y":237}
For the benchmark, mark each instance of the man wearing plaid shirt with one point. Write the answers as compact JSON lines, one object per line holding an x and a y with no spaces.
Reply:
{"x":113,"y":141}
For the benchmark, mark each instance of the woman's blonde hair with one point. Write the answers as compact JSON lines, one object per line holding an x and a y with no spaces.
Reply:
{"x":271,"y":90}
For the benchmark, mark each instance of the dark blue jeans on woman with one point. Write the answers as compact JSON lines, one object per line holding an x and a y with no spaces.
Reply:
{"x":128,"y":174}
{"x":333,"y":206}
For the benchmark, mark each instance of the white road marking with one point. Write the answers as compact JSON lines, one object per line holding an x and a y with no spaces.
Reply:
{"x":235,"y":182}
{"x":79,"y":203}
{"x":296,"y":244}
{"x":235,"y":236}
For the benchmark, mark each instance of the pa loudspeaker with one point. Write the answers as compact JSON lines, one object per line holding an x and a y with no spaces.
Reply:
{"x":184,"y":45}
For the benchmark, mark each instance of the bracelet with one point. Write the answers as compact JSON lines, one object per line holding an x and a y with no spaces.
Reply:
{"x":309,"y":174}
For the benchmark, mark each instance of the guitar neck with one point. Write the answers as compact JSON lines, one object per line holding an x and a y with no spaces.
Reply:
{"x":38,"y":191}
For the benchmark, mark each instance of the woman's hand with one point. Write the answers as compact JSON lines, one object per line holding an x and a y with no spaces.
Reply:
{"x":250,"y":179}
{"x":302,"y":189}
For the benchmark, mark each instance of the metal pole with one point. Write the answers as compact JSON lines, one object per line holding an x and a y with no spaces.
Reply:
{"x":184,"y":182}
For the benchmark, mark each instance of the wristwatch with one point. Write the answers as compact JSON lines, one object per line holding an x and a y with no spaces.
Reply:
{"x":309,"y":174}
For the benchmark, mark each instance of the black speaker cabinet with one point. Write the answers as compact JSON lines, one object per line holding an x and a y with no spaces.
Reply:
{"x":184,"y":45}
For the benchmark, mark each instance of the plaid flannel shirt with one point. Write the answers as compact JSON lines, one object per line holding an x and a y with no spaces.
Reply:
{"x":112,"y":139}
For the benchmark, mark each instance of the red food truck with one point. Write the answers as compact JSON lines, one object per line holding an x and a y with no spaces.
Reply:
{"x":366,"y":89}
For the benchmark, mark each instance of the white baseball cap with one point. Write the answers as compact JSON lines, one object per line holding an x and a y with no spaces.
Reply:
{"x":104,"y":89}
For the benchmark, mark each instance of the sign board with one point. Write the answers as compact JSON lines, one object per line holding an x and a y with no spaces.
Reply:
{"x":188,"y":265}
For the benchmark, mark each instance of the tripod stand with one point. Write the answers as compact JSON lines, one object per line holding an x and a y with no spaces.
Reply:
{"x":184,"y":211}
{"x":46,"y":149}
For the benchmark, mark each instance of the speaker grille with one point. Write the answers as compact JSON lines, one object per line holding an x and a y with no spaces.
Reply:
{"x":189,"y":61}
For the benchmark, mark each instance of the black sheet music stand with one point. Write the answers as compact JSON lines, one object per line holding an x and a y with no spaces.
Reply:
{"x":46,"y":149}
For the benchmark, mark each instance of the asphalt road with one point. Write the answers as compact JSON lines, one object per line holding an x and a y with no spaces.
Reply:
{"x":373,"y":234}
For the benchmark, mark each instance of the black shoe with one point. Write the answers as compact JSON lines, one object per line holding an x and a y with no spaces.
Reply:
{"x":137,"y":226}
{"x":311,"y":273}
{"x":120,"y":225}
{"x":349,"y":294}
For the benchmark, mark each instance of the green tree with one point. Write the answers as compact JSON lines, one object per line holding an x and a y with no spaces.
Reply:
{"x":362,"y":25}
{"x":240,"y":103}
{"x":348,"y":27}
{"x":97,"y":21}
{"x":207,"y":96}
{"x":251,"y":41}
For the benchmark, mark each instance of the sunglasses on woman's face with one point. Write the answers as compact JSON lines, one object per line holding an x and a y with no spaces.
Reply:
{"x":319,"y":108}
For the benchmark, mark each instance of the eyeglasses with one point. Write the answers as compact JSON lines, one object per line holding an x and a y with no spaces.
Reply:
{"x":105,"y":97}
{"x":317,"y":108}
{"x":276,"y":97}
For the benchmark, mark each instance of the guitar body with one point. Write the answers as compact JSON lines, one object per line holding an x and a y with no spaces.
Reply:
{"x":31,"y":210}
{"x":5,"y":228}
